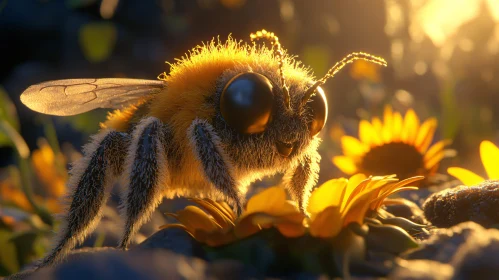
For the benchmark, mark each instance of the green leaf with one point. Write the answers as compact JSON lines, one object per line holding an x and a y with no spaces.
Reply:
{"x":389,"y":239}
{"x":14,"y":139}
{"x":97,"y":40}
{"x":8,"y":113}
{"x":8,"y":254}
{"x":25,"y":243}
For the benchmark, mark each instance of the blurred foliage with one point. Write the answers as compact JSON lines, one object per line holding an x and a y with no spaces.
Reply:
{"x":30,"y":192}
{"x":97,"y":40}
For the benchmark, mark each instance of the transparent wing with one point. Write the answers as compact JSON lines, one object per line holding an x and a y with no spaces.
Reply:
{"x":75,"y":96}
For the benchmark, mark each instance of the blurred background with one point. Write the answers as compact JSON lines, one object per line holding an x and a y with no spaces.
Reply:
{"x":442,"y":61}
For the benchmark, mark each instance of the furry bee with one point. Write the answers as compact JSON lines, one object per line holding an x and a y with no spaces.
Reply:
{"x":227,"y":114}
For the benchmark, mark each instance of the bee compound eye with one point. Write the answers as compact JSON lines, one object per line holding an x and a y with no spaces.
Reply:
{"x":246,"y":103}
{"x":318,"y":106}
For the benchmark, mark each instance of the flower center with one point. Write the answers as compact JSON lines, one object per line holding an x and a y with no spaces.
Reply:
{"x":393,"y":158}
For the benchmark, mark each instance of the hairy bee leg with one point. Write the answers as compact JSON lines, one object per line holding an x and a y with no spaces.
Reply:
{"x":91,"y":178}
{"x":147,"y":168}
{"x":301,"y":180}
{"x":216,"y":166}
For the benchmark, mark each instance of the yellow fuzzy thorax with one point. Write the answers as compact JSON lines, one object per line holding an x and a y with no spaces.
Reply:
{"x":192,"y":81}
{"x":193,"y":78}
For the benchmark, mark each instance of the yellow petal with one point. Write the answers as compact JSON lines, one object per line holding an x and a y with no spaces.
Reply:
{"x":351,"y":146}
{"x":246,"y":227}
{"x":368,"y":135}
{"x":436,"y":149}
{"x":410,"y":127}
{"x":194,"y":219}
{"x":328,"y":194}
{"x":327,"y":223}
{"x":214,"y":210}
{"x":388,"y":124}
{"x":226,"y":209}
{"x":375,"y":205}
{"x":467,"y":177}
{"x":345,"y":164}
{"x":353,"y":182}
{"x":291,"y":229}
{"x":434,"y":161}
{"x":397,"y":127}
{"x":378,"y":128}
{"x":490,"y":156}
{"x":267,"y":201}
{"x":425,"y":134}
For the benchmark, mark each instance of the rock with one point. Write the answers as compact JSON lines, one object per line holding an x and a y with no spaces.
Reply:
{"x":444,"y":243}
{"x":421,"y":270}
{"x":173,"y":239}
{"x":478,"y":203}
{"x":478,"y":258}
{"x":404,"y":208}
{"x":142,"y":264}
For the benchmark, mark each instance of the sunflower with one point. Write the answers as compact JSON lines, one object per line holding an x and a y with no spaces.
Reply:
{"x":214,"y":223}
{"x":339,"y":202}
{"x":332,"y":207}
{"x":397,"y":145}
{"x":489,"y":153}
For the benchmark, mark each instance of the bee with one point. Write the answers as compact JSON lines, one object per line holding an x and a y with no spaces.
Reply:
{"x":228,"y":113}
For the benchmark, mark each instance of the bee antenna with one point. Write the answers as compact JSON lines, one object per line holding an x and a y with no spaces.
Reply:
{"x":338,"y":66}
{"x":274,"y":40}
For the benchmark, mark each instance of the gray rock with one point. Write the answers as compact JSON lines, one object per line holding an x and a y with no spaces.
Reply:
{"x":478,"y":258}
{"x":421,"y":270}
{"x":141,"y":264}
{"x":452,"y":206}
{"x":444,"y":243}
{"x":173,"y":239}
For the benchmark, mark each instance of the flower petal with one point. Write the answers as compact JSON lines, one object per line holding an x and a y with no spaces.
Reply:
{"x":214,"y":210}
{"x":351,"y":146}
{"x":353,"y":183}
{"x":388,"y":124}
{"x":436,"y":149}
{"x":194,"y":218}
{"x":327,"y":223}
{"x":468,"y":178}
{"x":397,"y":127}
{"x":266,"y":201}
{"x":328,"y":194}
{"x":490,"y":155}
{"x":410,"y":128}
{"x":291,"y":229}
{"x":425,"y":134}
{"x":345,"y":164}
{"x":368,"y":135}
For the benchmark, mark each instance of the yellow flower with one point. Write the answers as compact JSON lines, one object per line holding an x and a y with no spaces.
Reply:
{"x":489,"y":153}
{"x":45,"y":163}
{"x":339,"y":202}
{"x":216,"y":224}
{"x":397,"y":145}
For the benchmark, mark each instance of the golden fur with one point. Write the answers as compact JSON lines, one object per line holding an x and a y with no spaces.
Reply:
{"x":190,"y":84}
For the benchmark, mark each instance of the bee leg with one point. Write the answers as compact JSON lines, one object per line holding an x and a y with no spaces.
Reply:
{"x":216,"y":166}
{"x":301,"y":180}
{"x":91,"y":179}
{"x":147,"y":169}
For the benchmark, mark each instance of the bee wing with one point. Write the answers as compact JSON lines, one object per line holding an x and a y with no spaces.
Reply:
{"x":75,"y":96}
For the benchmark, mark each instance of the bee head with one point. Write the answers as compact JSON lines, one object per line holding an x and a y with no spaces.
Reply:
{"x":269,"y":114}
